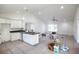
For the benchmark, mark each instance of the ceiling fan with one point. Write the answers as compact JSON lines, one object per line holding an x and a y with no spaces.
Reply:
{"x":54,"y":19}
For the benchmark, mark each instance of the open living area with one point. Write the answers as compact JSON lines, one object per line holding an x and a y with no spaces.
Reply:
{"x":39,"y":29}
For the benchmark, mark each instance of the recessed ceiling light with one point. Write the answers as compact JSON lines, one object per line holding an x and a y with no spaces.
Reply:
{"x":25,"y":8}
{"x":62,"y":7}
{"x":39,"y":13}
{"x":23,"y":18}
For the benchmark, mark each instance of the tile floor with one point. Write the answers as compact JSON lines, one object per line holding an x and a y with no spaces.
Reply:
{"x":19,"y":47}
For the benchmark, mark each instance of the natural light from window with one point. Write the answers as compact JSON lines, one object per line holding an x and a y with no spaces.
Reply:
{"x":52,"y":27}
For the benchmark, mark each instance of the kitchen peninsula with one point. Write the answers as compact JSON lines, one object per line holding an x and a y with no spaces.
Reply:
{"x":31,"y":38}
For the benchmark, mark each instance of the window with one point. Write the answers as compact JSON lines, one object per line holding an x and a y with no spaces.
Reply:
{"x":52,"y":27}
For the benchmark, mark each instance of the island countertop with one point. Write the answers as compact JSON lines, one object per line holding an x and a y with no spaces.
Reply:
{"x":23,"y":31}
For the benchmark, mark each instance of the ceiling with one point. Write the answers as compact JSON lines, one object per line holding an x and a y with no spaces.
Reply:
{"x":44,"y":12}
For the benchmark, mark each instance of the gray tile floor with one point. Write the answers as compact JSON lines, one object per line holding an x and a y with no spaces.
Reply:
{"x":19,"y":47}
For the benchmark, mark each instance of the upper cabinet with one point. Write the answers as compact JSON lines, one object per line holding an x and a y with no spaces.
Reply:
{"x":13,"y":23}
{"x":2,"y":20}
{"x":16,"y":24}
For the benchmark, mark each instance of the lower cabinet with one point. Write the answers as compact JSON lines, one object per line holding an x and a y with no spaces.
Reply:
{"x":15,"y":36}
{"x":4,"y":32}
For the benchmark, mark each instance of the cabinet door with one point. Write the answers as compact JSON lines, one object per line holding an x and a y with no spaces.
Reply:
{"x":5,"y":34}
{"x":15,"y":36}
{"x":16,"y":24}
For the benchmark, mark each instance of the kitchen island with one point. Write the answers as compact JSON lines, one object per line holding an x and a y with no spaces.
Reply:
{"x":31,"y":38}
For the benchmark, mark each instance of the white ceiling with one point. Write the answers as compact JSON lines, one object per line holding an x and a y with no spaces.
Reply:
{"x":44,"y":12}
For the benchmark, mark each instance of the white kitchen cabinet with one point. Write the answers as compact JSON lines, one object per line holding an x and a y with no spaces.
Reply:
{"x":15,"y":36}
{"x":16,"y":24}
{"x":4,"y":32}
{"x":31,"y":39}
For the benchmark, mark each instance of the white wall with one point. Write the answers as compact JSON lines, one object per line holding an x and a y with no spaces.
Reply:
{"x":76,"y":26}
{"x":76,"y":30}
{"x":64,"y":27}
{"x":38,"y":24}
